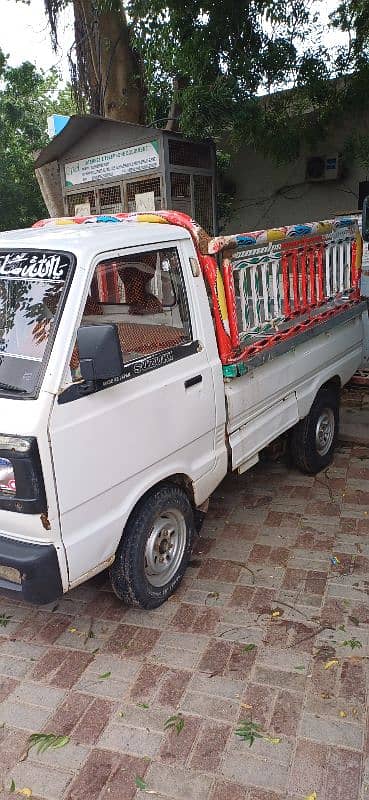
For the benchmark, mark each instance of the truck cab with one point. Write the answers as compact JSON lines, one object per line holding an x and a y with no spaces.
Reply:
{"x":81,"y":448}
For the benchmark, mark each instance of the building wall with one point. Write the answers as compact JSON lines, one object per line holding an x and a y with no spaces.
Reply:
{"x":268,"y":195}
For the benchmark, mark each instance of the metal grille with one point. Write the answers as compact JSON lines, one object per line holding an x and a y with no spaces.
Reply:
{"x":78,"y":198}
{"x":273,"y":283}
{"x":189,"y":154}
{"x":203,"y":197}
{"x":111,"y":200}
{"x":180,"y":186}
{"x":141,"y":187}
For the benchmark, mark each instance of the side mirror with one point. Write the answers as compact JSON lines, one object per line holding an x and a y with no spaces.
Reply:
{"x":99,"y":352}
{"x":365,"y":220}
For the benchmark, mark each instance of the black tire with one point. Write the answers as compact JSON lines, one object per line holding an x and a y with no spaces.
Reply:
{"x":304,"y":448}
{"x":130,"y":574}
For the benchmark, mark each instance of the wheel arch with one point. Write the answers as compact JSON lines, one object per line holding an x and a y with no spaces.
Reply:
{"x":179,"y":479}
{"x":308,"y":394}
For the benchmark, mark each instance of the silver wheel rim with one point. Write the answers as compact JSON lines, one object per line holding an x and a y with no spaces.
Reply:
{"x":165,"y":547}
{"x":324,"y":432}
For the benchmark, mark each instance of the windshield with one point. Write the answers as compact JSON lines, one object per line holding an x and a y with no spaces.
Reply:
{"x":32,"y":286}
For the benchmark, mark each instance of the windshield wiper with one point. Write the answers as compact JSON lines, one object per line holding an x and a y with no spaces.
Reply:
{"x":12,"y":388}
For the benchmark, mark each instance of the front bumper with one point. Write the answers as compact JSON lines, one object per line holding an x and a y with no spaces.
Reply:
{"x":40,"y":580}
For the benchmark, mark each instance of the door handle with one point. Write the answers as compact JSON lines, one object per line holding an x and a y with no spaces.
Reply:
{"x":193,"y":381}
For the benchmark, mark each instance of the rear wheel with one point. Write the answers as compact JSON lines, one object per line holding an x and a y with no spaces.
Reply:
{"x":314,"y":438}
{"x":155,"y":549}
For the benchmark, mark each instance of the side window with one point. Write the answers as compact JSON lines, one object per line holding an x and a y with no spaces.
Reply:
{"x":144,"y":295}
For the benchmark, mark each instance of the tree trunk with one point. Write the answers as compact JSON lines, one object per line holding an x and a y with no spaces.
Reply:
{"x":107,"y":67}
{"x":107,"y":79}
{"x":173,"y":121}
{"x":48,"y":179}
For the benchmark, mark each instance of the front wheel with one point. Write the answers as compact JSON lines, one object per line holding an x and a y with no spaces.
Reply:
{"x":314,"y":438}
{"x":155,"y":548}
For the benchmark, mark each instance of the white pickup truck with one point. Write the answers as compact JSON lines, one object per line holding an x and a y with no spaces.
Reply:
{"x":136,"y":369}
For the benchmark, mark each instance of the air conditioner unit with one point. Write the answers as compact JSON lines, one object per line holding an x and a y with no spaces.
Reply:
{"x":324,"y":168}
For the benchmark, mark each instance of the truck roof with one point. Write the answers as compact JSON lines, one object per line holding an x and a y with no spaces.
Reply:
{"x":91,"y":239}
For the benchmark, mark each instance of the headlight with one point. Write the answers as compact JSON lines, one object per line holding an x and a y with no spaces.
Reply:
{"x":7,"y":477}
{"x":18,"y":443}
{"x":21,"y":482}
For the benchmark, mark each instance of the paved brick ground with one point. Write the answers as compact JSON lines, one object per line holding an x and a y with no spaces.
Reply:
{"x":262,"y":575}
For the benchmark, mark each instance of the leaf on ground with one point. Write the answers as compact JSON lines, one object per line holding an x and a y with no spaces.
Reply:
{"x":26,"y":792}
{"x":140,"y":783}
{"x":272,"y":739}
{"x":143,"y":705}
{"x":343,"y":714}
{"x":212,"y":596}
{"x":300,"y":666}
{"x":176,"y":722}
{"x":104,"y":676}
{"x":353,"y":643}
{"x":4,"y":620}
{"x":248,"y":647}
{"x":249,"y":731}
{"x":312,"y":796}
{"x":332,"y":663}
{"x":72,"y":630}
{"x":276,"y":612}
{"x":44,"y":741}
{"x":12,"y":787}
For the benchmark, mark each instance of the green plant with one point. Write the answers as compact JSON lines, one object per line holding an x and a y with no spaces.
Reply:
{"x":45,"y":741}
{"x":176,"y":721}
{"x":249,"y":731}
{"x":4,"y":620}
{"x":353,"y":643}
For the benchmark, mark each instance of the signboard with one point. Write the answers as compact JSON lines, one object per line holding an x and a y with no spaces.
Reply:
{"x":82,"y":210}
{"x":145,"y":202}
{"x":112,"y":165}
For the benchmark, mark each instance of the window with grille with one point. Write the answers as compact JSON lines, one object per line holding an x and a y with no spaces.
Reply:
{"x":111,"y":200}
{"x":142,"y":187}
{"x":80,"y":198}
{"x":180,"y":187}
{"x":189,"y":154}
{"x":203,"y":198}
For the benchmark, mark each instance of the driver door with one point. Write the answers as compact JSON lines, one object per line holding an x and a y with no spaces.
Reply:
{"x":113,"y":441}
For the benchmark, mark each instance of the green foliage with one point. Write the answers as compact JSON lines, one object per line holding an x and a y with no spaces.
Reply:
{"x":45,"y":741}
{"x":249,"y":731}
{"x":140,"y":783}
{"x":176,"y":722}
{"x":353,"y":643}
{"x":27,"y":98}
{"x":4,"y":620}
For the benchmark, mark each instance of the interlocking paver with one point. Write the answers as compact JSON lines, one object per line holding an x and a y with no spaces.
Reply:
{"x":109,"y":677}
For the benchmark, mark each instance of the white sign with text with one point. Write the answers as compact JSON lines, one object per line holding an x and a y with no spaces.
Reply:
{"x":112,"y":165}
